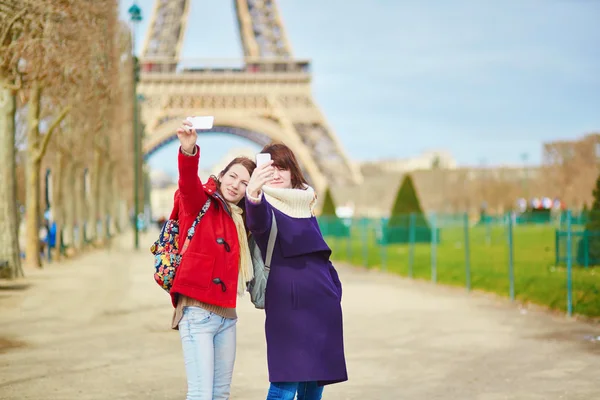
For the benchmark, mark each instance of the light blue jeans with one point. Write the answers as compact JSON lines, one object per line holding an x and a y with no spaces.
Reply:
{"x":208,"y":342}
{"x":288,"y":390}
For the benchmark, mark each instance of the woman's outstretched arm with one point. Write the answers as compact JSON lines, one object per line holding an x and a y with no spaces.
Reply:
{"x":191,"y":193}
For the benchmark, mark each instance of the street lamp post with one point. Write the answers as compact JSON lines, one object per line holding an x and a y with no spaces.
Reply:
{"x":135,"y":14}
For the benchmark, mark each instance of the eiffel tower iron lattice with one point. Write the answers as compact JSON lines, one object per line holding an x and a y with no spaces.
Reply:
{"x":265,"y":96}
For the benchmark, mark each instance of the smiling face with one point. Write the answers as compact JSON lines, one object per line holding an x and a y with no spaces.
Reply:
{"x":234,"y":182}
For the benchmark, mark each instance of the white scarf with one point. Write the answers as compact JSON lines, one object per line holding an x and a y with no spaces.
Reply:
{"x":246,"y":270}
{"x":296,"y":203}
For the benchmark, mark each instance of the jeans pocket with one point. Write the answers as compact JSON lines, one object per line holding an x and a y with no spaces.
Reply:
{"x":196,"y":315}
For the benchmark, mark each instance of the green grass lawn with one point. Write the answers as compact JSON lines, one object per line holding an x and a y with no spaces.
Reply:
{"x":536,"y":277}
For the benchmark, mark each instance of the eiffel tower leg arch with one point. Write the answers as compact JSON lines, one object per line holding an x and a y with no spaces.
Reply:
{"x":260,"y":130}
{"x":267,"y":95}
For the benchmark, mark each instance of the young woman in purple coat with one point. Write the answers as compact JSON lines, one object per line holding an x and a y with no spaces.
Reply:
{"x":303,"y":327}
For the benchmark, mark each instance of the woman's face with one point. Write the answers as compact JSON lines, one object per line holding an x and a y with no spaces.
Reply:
{"x":234,"y":182}
{"x":282,"y":179}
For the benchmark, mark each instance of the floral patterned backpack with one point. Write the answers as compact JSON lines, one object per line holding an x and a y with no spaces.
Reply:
{"x":167,"y":255}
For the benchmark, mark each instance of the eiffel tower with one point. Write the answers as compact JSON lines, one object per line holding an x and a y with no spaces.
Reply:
{"x":263,"y":97}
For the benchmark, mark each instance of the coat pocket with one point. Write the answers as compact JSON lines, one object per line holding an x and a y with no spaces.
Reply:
{"x":196,"y":270}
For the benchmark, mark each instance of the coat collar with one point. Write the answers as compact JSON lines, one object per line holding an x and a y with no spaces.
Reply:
{"x":210,"y":188}
{"x":295,"y":203}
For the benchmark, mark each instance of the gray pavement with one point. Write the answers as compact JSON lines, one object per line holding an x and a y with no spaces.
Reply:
{"x":97,"y":327}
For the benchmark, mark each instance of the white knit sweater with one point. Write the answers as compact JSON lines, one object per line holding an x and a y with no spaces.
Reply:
{"x":296,"y":203}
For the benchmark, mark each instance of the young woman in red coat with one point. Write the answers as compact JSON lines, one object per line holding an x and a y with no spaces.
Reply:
{"x":213,"y":271}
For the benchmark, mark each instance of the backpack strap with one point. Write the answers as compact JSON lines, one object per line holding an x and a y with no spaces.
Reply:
{"x":271,"y":242}
{"x":190,"y":232}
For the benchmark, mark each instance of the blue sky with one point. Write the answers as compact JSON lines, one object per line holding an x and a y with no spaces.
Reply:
{"x":486,"y":80}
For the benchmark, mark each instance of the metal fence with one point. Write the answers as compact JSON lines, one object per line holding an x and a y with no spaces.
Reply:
{"x":549,"y":262}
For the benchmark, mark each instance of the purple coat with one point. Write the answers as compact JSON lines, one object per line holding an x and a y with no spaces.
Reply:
{"x":303,"y":324}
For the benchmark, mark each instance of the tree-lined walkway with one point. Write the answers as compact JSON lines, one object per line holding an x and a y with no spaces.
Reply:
{"x":97,"y":327}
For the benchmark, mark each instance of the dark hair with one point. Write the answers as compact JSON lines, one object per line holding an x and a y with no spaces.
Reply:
{"x":283,"y":158}
{"x":246,"y":163}
{"x":243,"y":161}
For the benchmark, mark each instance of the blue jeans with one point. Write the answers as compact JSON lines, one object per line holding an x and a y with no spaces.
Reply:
{"x":288,"y":390}
{"x":208,"y":342}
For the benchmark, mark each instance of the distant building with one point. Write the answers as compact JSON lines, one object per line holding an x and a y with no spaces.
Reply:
{"x":160,"y":179}
{"x":161,"y":199}
{"x":433,"y":159}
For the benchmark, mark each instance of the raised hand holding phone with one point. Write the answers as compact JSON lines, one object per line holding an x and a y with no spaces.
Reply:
{"x":263,"y":173}
{"x":187,"y":136}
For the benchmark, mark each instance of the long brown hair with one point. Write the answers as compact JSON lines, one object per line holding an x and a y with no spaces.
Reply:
{"x":283,"y":158}
{"x":250,"y":167}
{"x":243,"y":161}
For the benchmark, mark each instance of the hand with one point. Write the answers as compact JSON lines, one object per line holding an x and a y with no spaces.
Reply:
{"x":259,"y":178}
{"x":187,"y":137}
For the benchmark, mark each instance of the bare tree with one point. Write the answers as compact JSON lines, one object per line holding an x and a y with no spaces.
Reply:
{"x":63,"y":60}
{"x":14,"y":25}
{"x":571,"y":169}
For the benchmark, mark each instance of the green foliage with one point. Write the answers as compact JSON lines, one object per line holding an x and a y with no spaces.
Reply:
{"x":407,"y":222}
{"x":593,"y":223}
{"x":406,"y":200}
{"x":330,"y":223}
{"x":590,"y":244}
{"x":328,"y":205}
{"x":584,"y":214}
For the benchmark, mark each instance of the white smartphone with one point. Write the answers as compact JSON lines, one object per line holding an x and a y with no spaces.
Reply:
{"x":202,"y":122}
{"x":262,"y":158}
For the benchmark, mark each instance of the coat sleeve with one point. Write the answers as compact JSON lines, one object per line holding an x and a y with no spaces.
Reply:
{"x":175,"y":211}
{"x":191,"y":192}
{"x":258,"y":216}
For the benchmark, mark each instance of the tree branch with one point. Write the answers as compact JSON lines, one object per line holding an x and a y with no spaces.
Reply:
{"x":12,"y":87}
{"x":11,"y":23}
{"x":48,"y":134}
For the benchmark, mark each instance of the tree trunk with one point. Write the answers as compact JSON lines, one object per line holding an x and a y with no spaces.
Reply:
{"x":58,"y":201}
{"x":32,"y":213}
{"x":36,"y":149}
{"x":107,"y":202}
{"x":33,"y":166}
{"x":115,"y":207}
{"x":9,"y":238}
{"x":69,"y":201}
{"x":94,"y":216}
{"x":79,"y":198}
